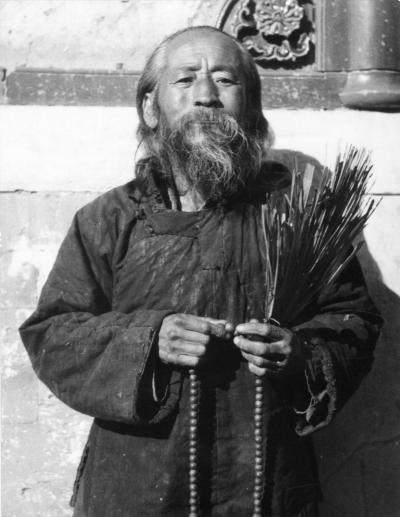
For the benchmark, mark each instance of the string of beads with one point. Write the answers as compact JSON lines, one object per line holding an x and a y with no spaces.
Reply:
{"x":194,"y":387}
{"x":258,"y":447}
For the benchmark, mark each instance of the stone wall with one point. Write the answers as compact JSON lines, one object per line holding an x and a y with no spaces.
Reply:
{"x":55,"y":159}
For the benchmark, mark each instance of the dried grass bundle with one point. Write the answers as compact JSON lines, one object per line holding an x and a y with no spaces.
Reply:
{"x":310,"y":230}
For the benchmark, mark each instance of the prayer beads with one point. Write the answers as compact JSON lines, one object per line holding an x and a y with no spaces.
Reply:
{"x":193,"y":444}
{"x":258,"y":447}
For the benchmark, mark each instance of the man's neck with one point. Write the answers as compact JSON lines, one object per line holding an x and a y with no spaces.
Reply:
{"x":190,"y":199}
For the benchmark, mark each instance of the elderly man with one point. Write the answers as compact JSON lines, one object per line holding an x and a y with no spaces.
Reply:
{"x":166,"y":274}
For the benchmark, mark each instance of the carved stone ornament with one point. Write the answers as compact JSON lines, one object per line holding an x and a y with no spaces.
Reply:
{"x":269,"y":29}
{"x":277,"y":17}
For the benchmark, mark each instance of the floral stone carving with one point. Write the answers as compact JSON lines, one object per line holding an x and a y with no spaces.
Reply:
{"x":270,"y":29}
{"x":274,"y":17}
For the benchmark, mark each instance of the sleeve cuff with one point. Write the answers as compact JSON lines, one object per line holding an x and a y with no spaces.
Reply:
{"x":158,"y":386}
{"x":318,"y":400}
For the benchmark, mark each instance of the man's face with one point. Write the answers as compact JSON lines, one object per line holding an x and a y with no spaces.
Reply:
{"x":200,"y":138}
{"x":203,"y":69}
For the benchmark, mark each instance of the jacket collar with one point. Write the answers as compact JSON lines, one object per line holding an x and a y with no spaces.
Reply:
{"x":151,"y":188}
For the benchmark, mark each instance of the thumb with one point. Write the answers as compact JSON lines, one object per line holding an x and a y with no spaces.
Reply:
{"x":220,"y":328}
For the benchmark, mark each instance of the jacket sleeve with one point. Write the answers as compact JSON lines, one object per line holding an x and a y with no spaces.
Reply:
{"x":96,"y":360}
{"x":338,"y":344}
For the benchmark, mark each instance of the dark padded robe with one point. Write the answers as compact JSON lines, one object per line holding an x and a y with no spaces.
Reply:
{"x":128,"y":261}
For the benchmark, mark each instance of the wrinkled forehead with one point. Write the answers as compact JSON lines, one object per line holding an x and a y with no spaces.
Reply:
{"x":193,"y":47}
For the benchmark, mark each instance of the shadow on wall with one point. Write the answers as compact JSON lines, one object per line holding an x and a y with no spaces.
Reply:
{"x":359,"y":453}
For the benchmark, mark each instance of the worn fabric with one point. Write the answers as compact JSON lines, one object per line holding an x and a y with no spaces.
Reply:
{"x":128,"y":261}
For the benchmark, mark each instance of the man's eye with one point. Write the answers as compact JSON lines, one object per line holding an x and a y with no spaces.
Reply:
{"x":184,"y":80}
{"x":225,"y":80}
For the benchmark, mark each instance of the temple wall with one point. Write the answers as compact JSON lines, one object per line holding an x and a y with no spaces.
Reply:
{"x":54,"y":159}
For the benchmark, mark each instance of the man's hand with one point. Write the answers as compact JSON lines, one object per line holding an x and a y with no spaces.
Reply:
{"x":184,"y":339}
{"x":269,"y":350}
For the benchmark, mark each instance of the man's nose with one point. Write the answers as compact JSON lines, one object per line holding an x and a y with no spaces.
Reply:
{"x":206,"y":93}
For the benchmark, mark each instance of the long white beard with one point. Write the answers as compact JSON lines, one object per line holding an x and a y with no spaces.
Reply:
{"x":211,"y":152}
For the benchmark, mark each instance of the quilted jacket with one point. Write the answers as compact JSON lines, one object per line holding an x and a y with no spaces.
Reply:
{"x":128,"y":261}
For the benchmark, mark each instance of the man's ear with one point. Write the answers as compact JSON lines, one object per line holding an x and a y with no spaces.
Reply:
{"x":149,"y":110}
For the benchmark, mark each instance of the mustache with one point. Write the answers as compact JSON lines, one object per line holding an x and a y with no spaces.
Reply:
{"x":209,"y":121}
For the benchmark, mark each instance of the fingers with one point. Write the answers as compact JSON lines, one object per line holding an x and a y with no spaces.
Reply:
{"x":228,"y":327}
{"x":260,"y":363}
{"x":189,"y":361}
{"x":187,"y":348}
{"x":276,"y":350}
{"x":265,"y":330}
{"x":181,"y":353}
{"x":182,"y":335}
{"x":184,"y":338}
{"x":207,"y":326}
{"x":260,"y":372}
{"x":267,"y":348}
{"x":261,"y":366}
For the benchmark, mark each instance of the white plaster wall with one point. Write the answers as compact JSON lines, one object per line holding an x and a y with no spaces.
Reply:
{"x":93,"y":148}
{"x":94,"y":34}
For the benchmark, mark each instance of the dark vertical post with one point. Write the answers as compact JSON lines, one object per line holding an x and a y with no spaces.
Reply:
{"x":362,"y":37}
